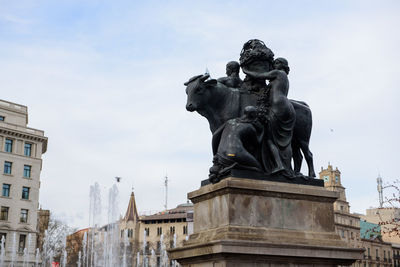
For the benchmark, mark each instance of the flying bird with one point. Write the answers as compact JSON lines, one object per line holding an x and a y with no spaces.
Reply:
{"x":118,"y":179}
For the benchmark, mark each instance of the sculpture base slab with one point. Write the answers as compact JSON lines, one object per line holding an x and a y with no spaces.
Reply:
{"x":247,"y":174}
{"x":244,"y":222}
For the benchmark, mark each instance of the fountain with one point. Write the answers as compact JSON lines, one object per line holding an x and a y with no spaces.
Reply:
{"x":144,"y":248}
{"x":126,"y":244}
{"x":79,"y":259}
{"x":13,"y":249}
{"x":64,"y":253}
{"x":37,"y":257}
{"x":2,"y":250}
{"x":163,"y":252}
{"x":45,"y":249}
{"x":103,"y":246}
{"x":153,"y":259}
{"x":26,"y":251}
{"x":94,"y":221}
{"x":50,"y":258}
{"x":84,"y":249}
{"x":174,"y":263}
{"x":25,"y":257}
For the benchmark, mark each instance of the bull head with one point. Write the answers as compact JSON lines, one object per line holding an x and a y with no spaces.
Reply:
{"x":195,"y":89}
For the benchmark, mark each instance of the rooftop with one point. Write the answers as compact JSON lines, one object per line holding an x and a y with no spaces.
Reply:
{"x":176,"y":213}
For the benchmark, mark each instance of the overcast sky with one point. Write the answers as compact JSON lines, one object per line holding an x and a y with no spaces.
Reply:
{"x":104,"y":80}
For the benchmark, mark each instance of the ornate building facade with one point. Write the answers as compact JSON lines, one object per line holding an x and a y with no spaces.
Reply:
{"x":352,"y":230}
{"x":21,"y":150}
{"x":170,"y":227}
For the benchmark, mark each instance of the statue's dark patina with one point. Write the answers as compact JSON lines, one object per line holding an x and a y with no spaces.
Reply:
{"x":255,"y":126}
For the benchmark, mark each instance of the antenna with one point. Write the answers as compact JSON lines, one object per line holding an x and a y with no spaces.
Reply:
{"x":379,"y":187}
{"x":166,"y":192}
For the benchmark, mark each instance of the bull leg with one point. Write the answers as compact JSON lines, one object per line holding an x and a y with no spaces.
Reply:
{"x":297,"y":158}
{"x":309,"y":158}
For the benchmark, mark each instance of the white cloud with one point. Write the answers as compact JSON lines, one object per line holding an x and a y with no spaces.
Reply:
{"x":112,"y":108}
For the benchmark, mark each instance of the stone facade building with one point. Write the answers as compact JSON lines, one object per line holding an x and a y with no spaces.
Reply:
{"x":347,"y":225}
{"x":389,"y":215}
{"x":173,"y":224}
{"x":42,"y":226}
{"x":356,"y":232}
{"x":21,"y":150}
{"x":377,"y":252}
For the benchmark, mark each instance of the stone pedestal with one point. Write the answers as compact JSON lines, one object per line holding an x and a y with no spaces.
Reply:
{"x":244,"y":222}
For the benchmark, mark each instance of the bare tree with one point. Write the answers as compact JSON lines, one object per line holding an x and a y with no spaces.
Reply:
{"x":55,"y":240}
{"x":391,"y":224}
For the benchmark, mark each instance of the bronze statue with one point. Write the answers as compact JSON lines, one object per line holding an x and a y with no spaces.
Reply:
{"x":255,"y":126}
{"x":279,"y":118}
{"x":232,"y":72}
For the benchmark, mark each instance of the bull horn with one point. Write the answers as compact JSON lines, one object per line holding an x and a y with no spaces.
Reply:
{"x":204,"y":77}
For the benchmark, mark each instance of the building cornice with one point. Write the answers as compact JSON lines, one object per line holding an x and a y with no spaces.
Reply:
{"x":347,"y":214}
{"x":26,"y":135}
{"x":348,"y":226}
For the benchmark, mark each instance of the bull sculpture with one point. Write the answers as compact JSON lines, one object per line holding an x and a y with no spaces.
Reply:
{"x":219,"y":103}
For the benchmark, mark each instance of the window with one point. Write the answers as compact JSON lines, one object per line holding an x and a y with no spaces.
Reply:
{"x":326,"y":178}
{"x":4,"y":213}
{"x":342,"y":233}
{"x":27,"y":171}
{"x":337,"y":179}
{"x":8,"y":146}
{"x":28,"y":149}
{"x":25,"y":192}
{"x":147,"y":231}
{"x":130,"y":233}
{"x":24,"y":216}
{"x":7,"y":167}
{"x":21,"y":243}
{"x":6,"y":190}
{"x":172,"y":230}
{"x":159,"y":230}
{"x":369,"y":253}
{"x":185,"y":230}
{"x":2,"y":118}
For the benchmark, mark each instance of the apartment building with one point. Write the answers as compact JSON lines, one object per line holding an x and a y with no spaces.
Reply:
{"x":21,"y":150}
{"x":355,"y":232}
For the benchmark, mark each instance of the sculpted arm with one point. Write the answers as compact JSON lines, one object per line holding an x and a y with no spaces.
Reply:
{"x":262,"y":75}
